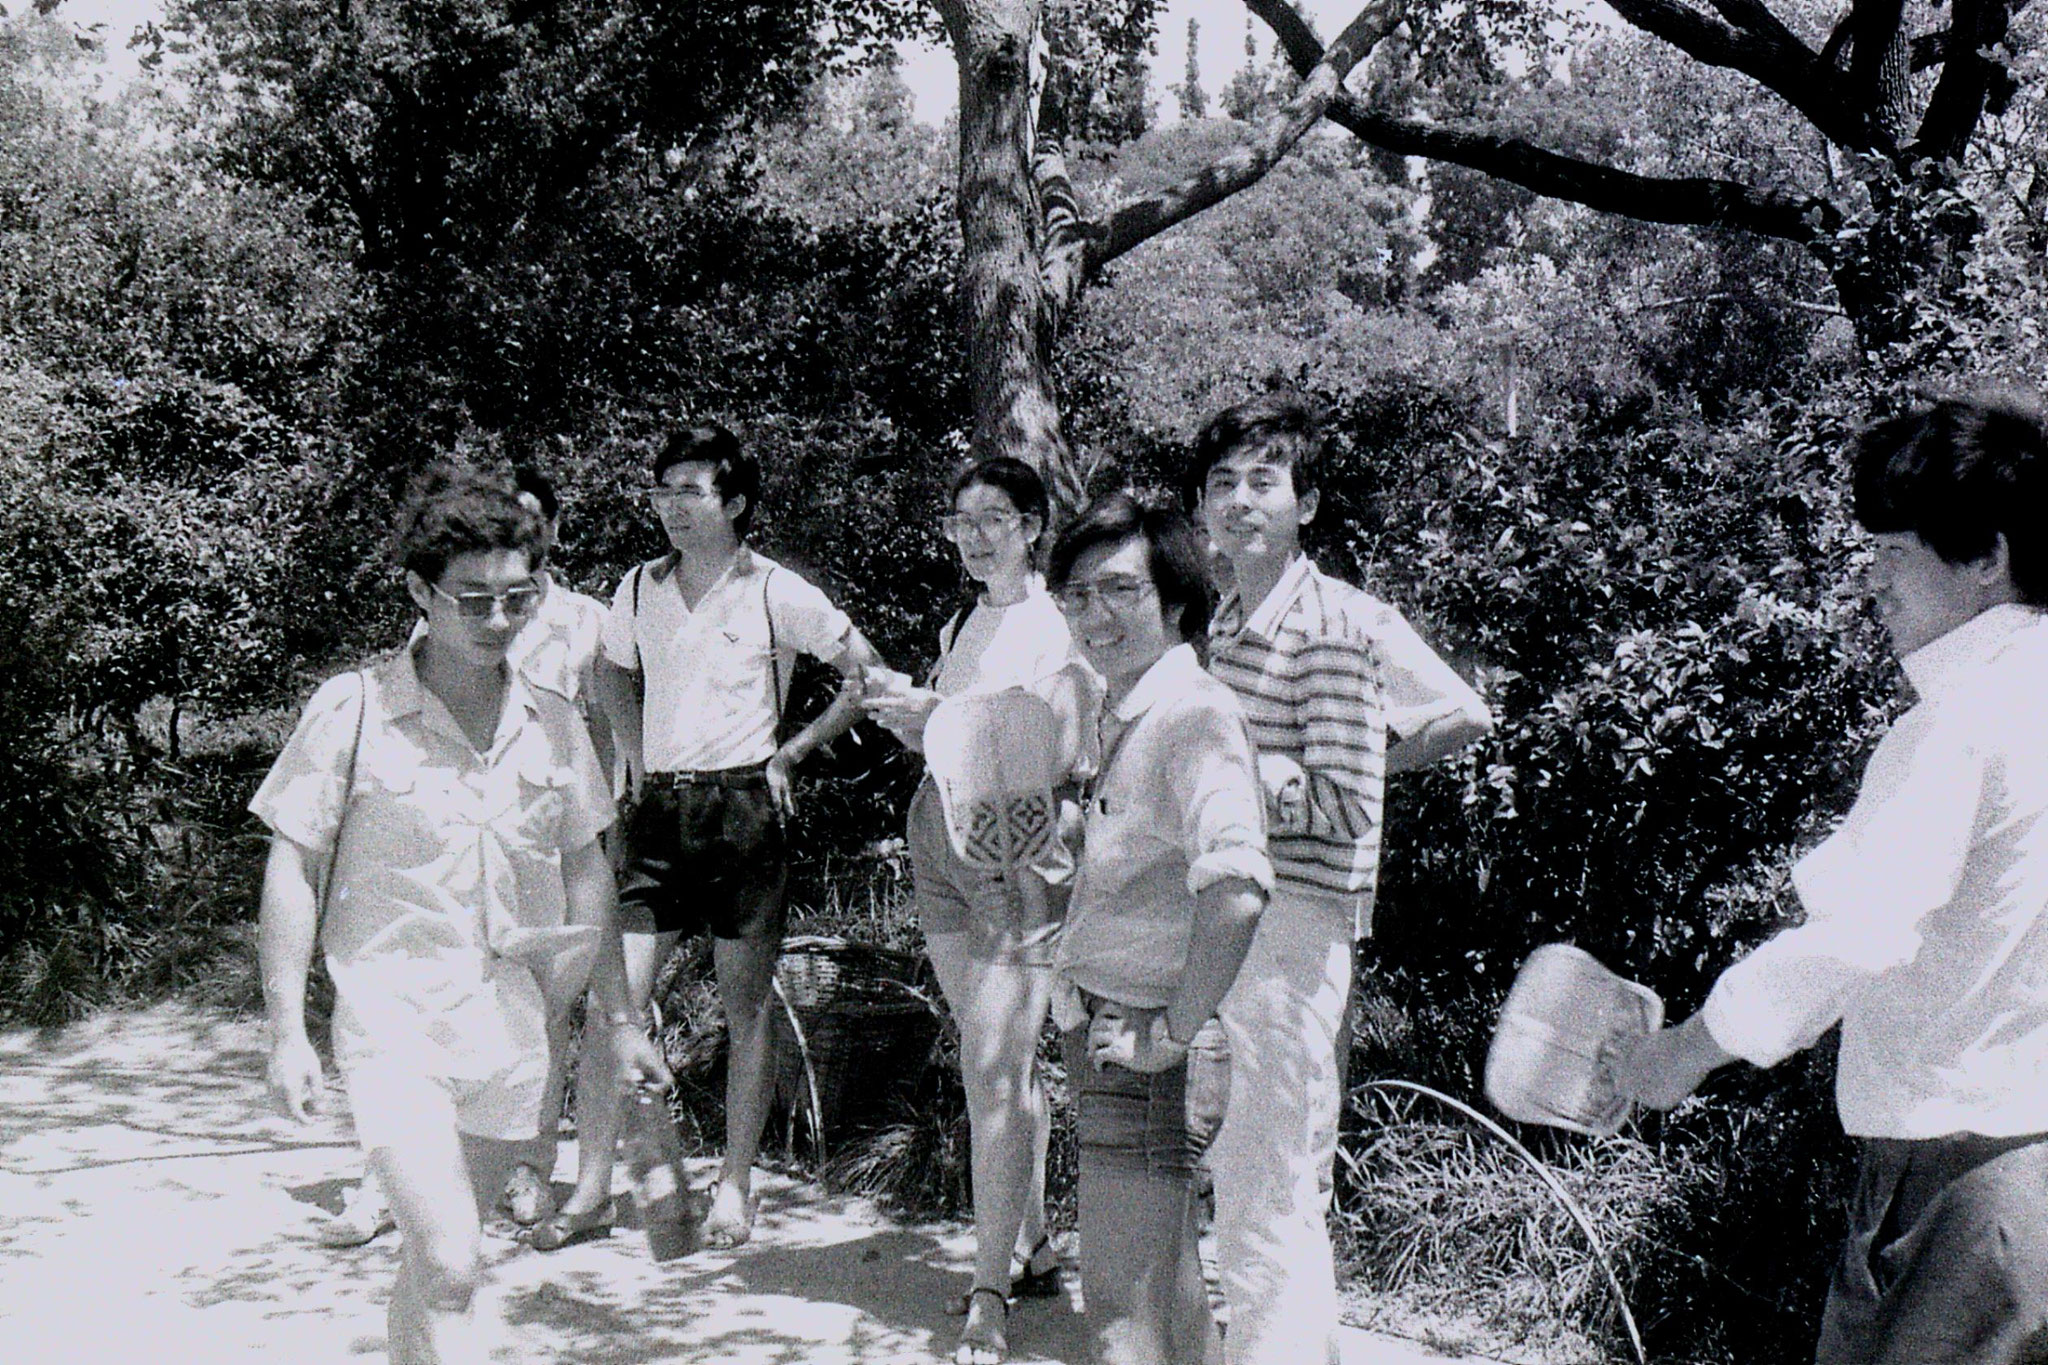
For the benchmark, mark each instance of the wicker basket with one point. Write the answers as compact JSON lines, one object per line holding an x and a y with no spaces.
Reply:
{"x":861,"y":1016}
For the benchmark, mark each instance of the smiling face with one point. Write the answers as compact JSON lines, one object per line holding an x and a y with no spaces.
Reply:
{"x":1113,"y":608}
{"x":1921,"y":597}
{"x":479,"y":640}
{"x":994,"y":539}
{"x":1249,"y":505}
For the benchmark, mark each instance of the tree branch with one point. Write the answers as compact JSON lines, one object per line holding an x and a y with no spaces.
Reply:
{"x":1762,"y":49}
{"x":1138,"y":220}
{"x":1958,"y":101}
{"x":1691,"y":201}
{"x":1064,"y":258}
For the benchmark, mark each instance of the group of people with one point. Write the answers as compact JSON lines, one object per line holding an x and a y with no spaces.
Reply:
{"x":1224,"y":715}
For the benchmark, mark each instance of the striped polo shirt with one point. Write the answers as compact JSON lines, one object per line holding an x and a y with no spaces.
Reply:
{"x":1306,"y":670}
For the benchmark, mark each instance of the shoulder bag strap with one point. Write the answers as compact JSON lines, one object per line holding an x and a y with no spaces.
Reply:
{"x":774,"y":654}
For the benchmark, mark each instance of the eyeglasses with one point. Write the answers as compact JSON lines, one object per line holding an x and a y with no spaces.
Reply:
{"x":1118,"y":594}
{"x":954,"y":526}
{"x":669,"y":497}
{"x":517,"y":603}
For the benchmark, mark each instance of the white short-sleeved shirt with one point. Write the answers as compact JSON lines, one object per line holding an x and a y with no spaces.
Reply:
{"x":1176,"y":808}
{"x":707,"y":672}
{"x":1927,"y":909}
{"x":447,"y":907}
{"x":1027,"y":644}
{"x":558,"y":648}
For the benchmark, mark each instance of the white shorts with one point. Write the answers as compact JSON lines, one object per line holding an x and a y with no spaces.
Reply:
{"x":391,"y":1102}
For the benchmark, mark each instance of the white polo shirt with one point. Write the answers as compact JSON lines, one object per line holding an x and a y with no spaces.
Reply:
{"x":1927,"y":909}
{"x":708,"y":673}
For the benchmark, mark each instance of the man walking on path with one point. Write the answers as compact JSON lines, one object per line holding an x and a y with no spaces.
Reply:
{"x":698,"y":649}
{"x":1337,"y":690}
{"x":1926,"y":930}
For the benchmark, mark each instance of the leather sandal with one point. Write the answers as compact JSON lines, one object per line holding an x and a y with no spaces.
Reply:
{"x":562,"y":1229}
{"x":984,"y":1341}
{"x":1038,"y":1284}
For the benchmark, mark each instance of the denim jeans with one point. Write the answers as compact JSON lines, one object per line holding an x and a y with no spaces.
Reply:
{"x":1141,"y":1273}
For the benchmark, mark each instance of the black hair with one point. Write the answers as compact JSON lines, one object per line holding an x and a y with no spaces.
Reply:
{"x":1015,"y":480}
{"x":1284,"y":422}
{"x":1174,"y":553}
{"x":451,"y":510}
{"x":734,"y":472}
{"x":528,"y":480}
{"x":1958,"y":474}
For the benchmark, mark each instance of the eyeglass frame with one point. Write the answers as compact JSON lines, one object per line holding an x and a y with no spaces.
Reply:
{"x":684,"y":492}
{"x":1119,"y":596}
{"x":466,"y":602}
{"x":987,"y":525}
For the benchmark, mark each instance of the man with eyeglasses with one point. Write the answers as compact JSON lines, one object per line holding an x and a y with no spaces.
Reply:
{"x":698,"y":648}
{"x":1172,"y":879}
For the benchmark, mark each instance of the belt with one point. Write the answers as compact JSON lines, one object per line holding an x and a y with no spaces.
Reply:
{"x":753,"y":775}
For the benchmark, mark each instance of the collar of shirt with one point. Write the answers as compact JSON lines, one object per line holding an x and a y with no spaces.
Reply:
{"x":406,"y":695}
{"x":1265,"y":621}
{"x":1940,"y":664}
{"x":744,"y":562}
{"x":1170,"y":676}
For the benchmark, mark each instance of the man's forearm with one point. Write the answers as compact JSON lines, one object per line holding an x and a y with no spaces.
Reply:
{"x":593,"y":898}
{"x":287,"y":925}
{"x":1226,"y":915}
{"x":846,"y":708}
{"x":1438,"y":739}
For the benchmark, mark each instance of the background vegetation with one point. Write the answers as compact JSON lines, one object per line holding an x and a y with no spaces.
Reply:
{"x":1597,"y":462}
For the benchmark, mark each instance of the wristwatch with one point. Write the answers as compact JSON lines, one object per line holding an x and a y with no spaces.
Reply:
{"x":625,"y":1019}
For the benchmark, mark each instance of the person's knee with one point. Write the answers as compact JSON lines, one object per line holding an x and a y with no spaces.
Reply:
{"x":447,"y":1265}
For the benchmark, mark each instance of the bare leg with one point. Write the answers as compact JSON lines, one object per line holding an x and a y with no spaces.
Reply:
{"x":1000,"y":1008}
{"x":438,"y":1183}
{"x":600,"y":1089}
{"x":746,"y":968}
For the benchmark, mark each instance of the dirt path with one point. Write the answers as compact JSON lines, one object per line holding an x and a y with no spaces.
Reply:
{"x":153,"y":1208}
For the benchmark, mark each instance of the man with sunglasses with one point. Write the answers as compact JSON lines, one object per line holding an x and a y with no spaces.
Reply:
{"x":435,"y":820}
{"x":698,"y":649}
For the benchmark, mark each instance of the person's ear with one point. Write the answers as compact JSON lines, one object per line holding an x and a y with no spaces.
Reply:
{"x":1308,"y":503}
{"x":1171,"y":616}
{"x":735,"y":507}
{"x":1994,"y":570}
{"x":422,"y":595}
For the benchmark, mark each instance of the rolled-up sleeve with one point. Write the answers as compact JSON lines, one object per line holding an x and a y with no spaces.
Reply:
{"x":1216,"y":794}
{"x":1898,"y":856}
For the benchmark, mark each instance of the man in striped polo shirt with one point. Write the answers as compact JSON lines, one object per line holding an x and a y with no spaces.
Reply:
{"x":1337,"y":690}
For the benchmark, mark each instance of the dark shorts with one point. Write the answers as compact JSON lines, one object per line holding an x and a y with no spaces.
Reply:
{"x":1133,"y":1122}
{"x":704,"y":851}
{"x":1946,"y":1260}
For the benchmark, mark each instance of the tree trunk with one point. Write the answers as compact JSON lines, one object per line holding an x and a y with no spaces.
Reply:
{"x":1002,"y":292}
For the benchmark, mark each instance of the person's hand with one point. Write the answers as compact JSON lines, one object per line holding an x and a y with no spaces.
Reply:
{"x":295,"y":1079}
{"x":1114,"y":1035}
{"x":1662,"y":1069}
{"x":780,"y":773}
{"x":903,"y":714}
{"x":640,"y":1061}
{"x":1286,"y":790}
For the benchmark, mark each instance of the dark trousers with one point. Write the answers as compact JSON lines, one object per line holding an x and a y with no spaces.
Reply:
{"x":1946,"y":1259}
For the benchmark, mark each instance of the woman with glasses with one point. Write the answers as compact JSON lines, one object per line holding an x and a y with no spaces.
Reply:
{"x":435,"y":821}
{"x":990,"y":935}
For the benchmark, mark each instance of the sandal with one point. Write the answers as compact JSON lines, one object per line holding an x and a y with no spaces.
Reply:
{"x":364,"y":1217}
{"x":983,"y":1340}
{"x":1038,"y":1284}
{"x":1029,"y":1284}
{"x":723,"y":1234}
{"x":527,"y":1197}
{"x":561,"y":1229}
